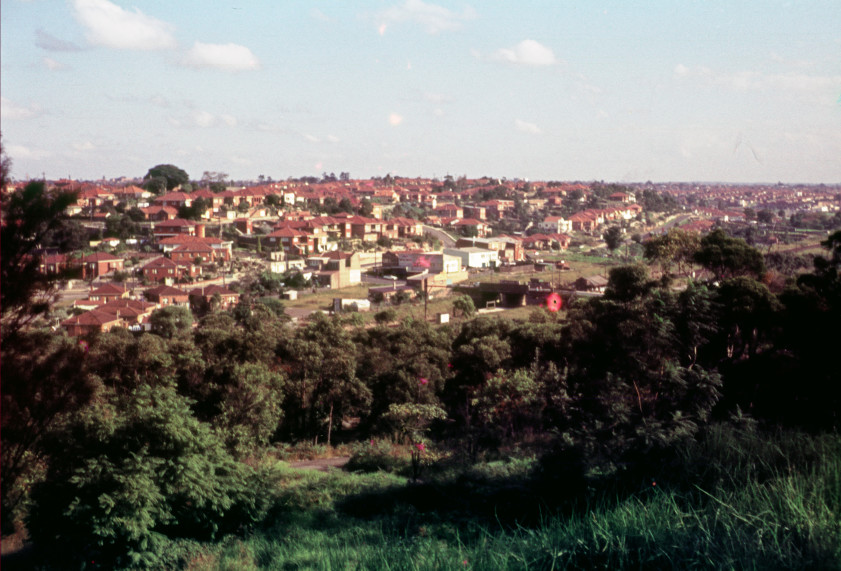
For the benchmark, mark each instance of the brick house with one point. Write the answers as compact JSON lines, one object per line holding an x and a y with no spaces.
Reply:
{"x":100,"y":263}
{"x":164,"y":295}
{"x":90,"y":322}
{"x":163,"y":268}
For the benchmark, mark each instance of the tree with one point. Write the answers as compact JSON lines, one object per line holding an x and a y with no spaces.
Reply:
{"x":29,"y":216}
{"x":728,"y":257}
{"x":173,"y":175}
{"x":676,"y":247}
{"x":627,"y":283}
{"x":464,"y":305}
{"x":128,"y":476}
{"x":170,"y":321}
{"x":613,"y":237}
{"x":44,"y":378}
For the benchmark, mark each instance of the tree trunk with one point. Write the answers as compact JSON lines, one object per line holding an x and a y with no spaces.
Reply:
{"x":330,"y":424}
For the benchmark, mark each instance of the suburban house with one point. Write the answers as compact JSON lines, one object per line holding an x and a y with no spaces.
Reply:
{"x":174,"y":227}
{"x":164,"y":295}
{"x":109,"y":292}
{"x":472,"y":226}
{"x":160,"y":213}
{"x":91,"y":322}
{"x":100,"y":263}
{"x":555,"y":224}
{"x":336,"y":269}
{"x":165,"y":269}
{"x":222,"y":249}
{"x":205,"y":296}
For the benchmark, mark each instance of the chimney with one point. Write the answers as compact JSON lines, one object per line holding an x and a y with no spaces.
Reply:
{"x":200,"y":230}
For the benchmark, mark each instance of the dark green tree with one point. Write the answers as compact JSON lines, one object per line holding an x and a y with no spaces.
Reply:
{"x":173,"y":175}
{"x":613,"y":237}
{"x":29,"y":217}
{"x":728,"y":257}
{"x":169,"y":321}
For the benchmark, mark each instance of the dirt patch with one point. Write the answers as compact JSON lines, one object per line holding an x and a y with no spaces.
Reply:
{"x":321,"y":464}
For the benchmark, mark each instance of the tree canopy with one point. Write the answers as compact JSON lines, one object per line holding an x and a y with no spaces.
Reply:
{"x":173,"y":175}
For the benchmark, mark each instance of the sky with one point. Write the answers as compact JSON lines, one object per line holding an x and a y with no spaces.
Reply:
{"x":619,"y":91}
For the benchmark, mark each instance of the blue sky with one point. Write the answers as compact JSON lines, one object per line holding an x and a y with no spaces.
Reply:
{"x":678,"y":90}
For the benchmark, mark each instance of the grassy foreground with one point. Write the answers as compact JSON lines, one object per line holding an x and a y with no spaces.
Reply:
{"x":736,"y":498}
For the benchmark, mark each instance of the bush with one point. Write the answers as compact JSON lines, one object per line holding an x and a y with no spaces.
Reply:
{"x":124,"y":482}
{"x":376,"y":456}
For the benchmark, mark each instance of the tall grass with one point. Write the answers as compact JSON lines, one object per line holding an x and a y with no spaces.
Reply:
{"x":735,"y":498}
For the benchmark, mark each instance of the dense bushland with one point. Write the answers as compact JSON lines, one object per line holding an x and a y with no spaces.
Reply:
{"x":512,"y":443}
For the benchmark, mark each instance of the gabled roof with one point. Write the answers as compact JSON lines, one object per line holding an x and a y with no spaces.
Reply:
{"x":165,"y":290}
{"x":211,"y":290}
{"x":110,"y":289}
{"x":180,"y":222}
{"x":92,"y":317}
{"x":162,"y":262}
{"x":101,"y":257}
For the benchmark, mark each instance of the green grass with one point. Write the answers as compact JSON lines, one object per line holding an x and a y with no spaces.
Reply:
{"x":735,"y":499}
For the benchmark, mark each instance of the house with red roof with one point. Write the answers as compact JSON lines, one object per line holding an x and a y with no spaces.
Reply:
{"x":555,"y":224}
{"x":222,"y":249}
{"x":91,"y":322}
{"x":159,"y":213}
{"x":174,"y":199}
{"x":174,"y":227}
{"x":109,"y":292}
{"x":186,"y":254}
{"x":164,"y":269}
{"x":100,"y":263}
{"x":471,"y":226}
{"x":164,"y":295}
{"x":205,"y":295}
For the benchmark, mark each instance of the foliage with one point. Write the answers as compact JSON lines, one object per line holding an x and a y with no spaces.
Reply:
{"x":464,"y":305}
{"x":172,"y":175}
{"x":613,"y":237}
{"x":728,"y":257}
{"x":29,"y":216}
{"x":171,"y":320}
{"x":675,"y":248}
{"x":44,"y":379}
{"x":128,"y":477}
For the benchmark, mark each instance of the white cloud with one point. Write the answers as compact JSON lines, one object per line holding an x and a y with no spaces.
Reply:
{"x":109,"y":25}
{"x":311,"y":138}
{"x":525,"y":127}
{"x":52,"y":64}
{"x":394,"y":119}
{"x":333,"y":139}
{"x":228,"y":57}
{"x":204,"y":119}
{"x":22,"y":152}
{"x":527,"y":52}
{"x":83,"y":146}
{"x":819,"y":89}
{"x":431,"y":17}
{"x":11,"y":110}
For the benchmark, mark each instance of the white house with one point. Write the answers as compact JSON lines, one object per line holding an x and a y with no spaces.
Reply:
{"x":556,"y":225}
{"x":475,"y":257}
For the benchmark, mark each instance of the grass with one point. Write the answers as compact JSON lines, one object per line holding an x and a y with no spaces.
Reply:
{"x":736,"y":498}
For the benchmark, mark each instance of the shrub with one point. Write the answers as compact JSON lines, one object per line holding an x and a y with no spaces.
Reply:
{"x":375,"y":456}
{"x":124,"y":482}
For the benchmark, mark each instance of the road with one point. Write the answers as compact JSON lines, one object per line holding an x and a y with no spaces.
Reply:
{"x":445,"y":238}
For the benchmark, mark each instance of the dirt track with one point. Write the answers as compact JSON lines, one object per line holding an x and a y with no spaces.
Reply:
{"x":321,"y":464}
